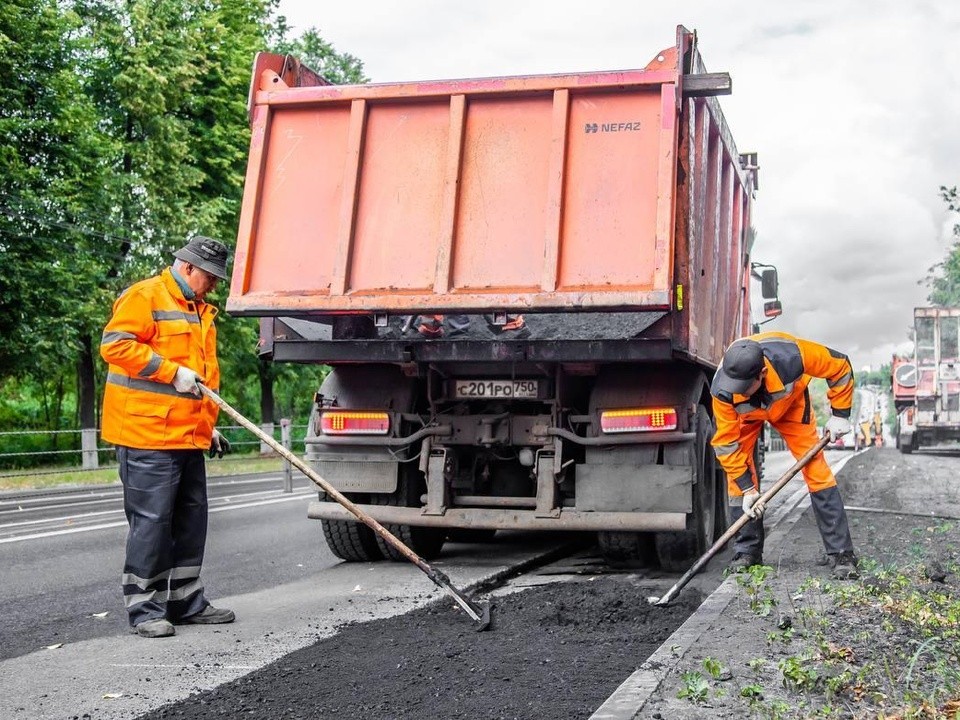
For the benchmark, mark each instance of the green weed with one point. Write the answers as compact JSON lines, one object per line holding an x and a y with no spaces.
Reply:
{"x":694,"y":687}
{"x":713,"y":667}
{"x":799,"y":673}
{"x":759,"y":595}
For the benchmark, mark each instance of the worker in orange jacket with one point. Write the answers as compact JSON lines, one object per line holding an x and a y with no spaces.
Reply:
{"x":159,"y":343}
{"x":763,"y":378}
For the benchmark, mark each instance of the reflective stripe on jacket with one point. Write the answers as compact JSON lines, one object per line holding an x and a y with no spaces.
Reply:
{"x":152,"y":332}
{"x":791,"y":363}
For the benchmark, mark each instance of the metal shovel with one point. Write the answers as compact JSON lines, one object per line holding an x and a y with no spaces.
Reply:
{"x":479,"y":612}
{"x":740,"y":522}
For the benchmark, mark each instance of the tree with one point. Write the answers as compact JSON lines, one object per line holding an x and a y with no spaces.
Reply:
{"x":320,"y":55}
{"x":53,"y":160}
{"x":123,"y":131}
{"x":943,"y":279}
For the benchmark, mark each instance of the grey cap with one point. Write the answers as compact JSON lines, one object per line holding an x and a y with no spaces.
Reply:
{"x":740,"y":367}
{"x":205,"y":253}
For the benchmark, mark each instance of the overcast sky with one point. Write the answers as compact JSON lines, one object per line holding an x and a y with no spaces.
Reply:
{"x":853,"y":107}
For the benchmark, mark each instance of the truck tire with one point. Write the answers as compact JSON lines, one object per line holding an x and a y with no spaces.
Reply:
{"x":360,"y":386}
{"x":627,"y":549}
{"x":351,"y":541}
{"x":906,"y":446}
{"x":427,"y":542}
{"x":676,"y":551}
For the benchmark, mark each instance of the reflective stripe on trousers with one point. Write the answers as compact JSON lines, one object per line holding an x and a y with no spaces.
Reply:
{"x":165,"y":501}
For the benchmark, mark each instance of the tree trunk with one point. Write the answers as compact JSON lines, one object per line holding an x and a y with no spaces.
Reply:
{"x":86,"y":384}
{"x":264,"y":370}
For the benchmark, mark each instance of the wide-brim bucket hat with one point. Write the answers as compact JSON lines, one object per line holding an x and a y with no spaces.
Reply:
{"x":205,"y":253}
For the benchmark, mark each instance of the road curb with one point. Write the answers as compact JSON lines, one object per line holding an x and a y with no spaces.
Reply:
{"x":629,"y":699}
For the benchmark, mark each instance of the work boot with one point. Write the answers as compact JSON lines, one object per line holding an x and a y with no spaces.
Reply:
{"x":843,"y":566}
{"x":155,"y":628}
{"x":210,"y":616}
{"x":742,"y":561}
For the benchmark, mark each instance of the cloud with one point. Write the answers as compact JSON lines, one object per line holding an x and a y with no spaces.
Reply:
{"x":851,"y":106}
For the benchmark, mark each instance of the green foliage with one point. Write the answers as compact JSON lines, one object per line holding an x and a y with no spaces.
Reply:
{"x":760,"y":597}
{"x":53,"y":161}
{"x":123,"y":131}
{"x":713,"y":667}
{"x":799,"y":673}
{"x":694,"y":687}
{"x":880,"y":378}
{"x":320,"y":55}
{"x":943,"y":279}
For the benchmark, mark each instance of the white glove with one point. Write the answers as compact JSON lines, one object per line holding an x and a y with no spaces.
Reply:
{"x":837,"y":426}
{"x":186,"y":380}
{"x":752,"y":504}
{"x":218,"y":444}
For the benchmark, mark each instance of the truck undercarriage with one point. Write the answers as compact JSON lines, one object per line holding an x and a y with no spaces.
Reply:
{"x":441,"y":448}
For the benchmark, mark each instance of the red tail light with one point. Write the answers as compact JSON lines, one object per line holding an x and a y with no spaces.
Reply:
{"x":354,"y":422}
{"x":638,"y":420}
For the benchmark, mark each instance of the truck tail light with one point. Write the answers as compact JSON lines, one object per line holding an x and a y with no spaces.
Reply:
{"x":638,"y":420}
{"x":354,"y":422}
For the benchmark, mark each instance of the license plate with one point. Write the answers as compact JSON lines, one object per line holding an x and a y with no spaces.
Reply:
{"x":526,"y":389}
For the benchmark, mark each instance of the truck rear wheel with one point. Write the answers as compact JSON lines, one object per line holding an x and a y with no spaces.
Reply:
{"x":677,"y":550}
{"x":351,"y":541}
{"x":427,"y":542}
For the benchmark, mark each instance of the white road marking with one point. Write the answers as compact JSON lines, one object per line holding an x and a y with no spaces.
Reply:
{"x":226,"y":499}
{"x":104,"y":526}
{"x":112,"y":494}
{"x":181,"y":667}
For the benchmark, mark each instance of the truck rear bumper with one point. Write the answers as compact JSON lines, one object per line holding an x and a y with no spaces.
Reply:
{"x":512,"y":519}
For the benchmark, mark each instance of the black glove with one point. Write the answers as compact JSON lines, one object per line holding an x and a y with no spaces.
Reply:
{"x":219,"y":445}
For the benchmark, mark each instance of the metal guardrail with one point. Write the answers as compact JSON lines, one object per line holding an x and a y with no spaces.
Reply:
{"x":775,"y":444}
{"x":91,"y":451}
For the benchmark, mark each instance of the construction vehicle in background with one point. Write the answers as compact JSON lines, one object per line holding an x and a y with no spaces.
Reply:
{"x":869,"y":428}
{"x":926,"y":386}
{"x":611,"y":209}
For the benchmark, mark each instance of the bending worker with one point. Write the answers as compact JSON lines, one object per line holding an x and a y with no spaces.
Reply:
{"x":764,"y":378}
{"x":159,"y":343}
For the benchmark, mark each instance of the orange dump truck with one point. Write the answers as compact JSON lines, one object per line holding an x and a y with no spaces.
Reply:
{"x":579,"y":247}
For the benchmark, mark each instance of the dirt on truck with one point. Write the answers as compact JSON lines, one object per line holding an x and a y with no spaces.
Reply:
{"x":579,"y":246}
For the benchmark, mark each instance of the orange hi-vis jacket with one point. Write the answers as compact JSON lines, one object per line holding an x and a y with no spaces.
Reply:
{"x":783,"y":401}
{"x":154,"y":330}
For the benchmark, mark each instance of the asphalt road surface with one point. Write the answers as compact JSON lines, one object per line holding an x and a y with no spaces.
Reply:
{"x":264,"y":559}
{"x":61,"y":555}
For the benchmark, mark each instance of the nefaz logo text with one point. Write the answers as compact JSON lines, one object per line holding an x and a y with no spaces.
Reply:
{"x":611,"y":127}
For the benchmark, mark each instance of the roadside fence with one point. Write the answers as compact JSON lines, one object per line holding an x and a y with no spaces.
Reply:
{"x":78,"y":451}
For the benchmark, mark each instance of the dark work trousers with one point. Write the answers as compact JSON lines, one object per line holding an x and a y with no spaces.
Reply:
{"x":165,"y":500}
{"x":749,"y":539}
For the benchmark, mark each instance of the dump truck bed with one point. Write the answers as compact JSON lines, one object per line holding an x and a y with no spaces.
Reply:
{"x":580,"y":192}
